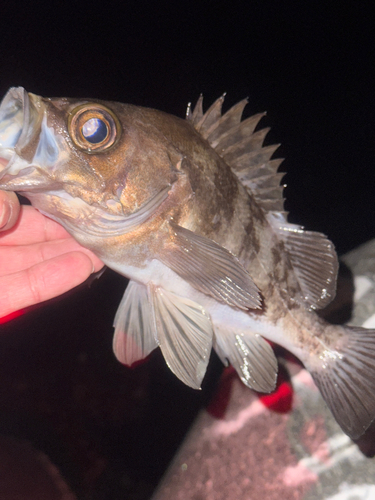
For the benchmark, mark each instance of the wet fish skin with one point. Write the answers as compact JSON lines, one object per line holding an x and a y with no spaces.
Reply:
{"x":192,"y":212}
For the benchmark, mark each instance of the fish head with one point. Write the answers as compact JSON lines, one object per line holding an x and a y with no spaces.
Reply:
{"x":84,"y":161}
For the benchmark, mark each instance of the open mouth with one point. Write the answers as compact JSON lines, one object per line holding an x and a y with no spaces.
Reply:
{"x":14,"y":113}
{"x":19,"y":120}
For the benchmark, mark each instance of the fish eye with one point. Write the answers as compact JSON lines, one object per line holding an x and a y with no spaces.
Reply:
{"x":93,"y":128}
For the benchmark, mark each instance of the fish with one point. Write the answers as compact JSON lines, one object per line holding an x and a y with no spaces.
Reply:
{"x":191,"y":211}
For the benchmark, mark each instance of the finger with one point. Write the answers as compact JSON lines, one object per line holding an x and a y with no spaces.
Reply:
{"x":9,"y":210}
{"x":32,"y":227}
{"x":43,"y":281}
{"x":21,"y":257}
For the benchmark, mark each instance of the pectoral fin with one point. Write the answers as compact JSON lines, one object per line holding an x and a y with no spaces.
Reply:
{"x":185,"y":335}
{"x":211,"y":269}
{"x":134,"y":335}
{"x":250,"y":355}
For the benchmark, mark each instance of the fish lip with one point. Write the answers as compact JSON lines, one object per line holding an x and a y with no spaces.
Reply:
{"x":29,"y":178}
{"x":20,"y":117}
{"x":14,"y":108}
{"x":3,"y":163}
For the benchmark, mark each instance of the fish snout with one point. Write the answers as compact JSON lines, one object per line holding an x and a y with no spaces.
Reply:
{"x":19,"y":118}
{"x":27,"y":145}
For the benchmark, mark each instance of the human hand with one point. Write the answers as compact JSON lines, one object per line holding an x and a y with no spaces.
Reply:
{"x":39,"y":260}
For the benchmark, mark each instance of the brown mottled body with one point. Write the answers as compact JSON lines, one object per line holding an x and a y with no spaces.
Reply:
{"x":191,"y":211}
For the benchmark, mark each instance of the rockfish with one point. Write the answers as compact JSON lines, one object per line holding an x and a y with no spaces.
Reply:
{"x":191,"y":211}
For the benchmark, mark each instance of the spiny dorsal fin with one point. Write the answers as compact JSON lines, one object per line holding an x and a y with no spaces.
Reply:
{"x":242,"y":148}
{"x":225,"y":123}
{"x":197,"y":113}
{"x":210,"y":118}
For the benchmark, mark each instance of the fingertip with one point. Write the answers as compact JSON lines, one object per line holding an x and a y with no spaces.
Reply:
{"x":97,"y":264}
{"x":80,"y":265}
{"x":83,"y":262}
{"x":9,"y":210}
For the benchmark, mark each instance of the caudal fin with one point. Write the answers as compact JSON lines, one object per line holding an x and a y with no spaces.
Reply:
{"x":346,"y":380}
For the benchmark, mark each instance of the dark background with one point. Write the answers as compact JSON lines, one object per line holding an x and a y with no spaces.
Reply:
{"x":309,"y":64}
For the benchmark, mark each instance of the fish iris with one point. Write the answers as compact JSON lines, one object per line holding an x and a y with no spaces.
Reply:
{"x":95,"y":130}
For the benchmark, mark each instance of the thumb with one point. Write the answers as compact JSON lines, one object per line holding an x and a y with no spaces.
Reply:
{"x":9,"y":210}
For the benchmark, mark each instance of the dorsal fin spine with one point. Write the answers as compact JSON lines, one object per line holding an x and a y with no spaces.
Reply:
{"x":242,"y":149}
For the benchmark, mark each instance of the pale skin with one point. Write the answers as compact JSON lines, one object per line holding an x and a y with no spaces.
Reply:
{"x":39,"y":260}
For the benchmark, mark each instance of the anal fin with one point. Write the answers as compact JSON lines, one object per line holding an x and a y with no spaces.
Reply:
{"x":251,"y":356}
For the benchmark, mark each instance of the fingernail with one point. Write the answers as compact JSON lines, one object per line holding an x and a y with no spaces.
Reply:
{"x":5,"y":213}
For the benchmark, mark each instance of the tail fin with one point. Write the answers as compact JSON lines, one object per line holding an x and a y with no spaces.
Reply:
{"x":346,"y":379}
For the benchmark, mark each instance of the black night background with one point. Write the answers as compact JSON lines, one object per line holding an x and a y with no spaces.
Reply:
{"x":112,"y":430}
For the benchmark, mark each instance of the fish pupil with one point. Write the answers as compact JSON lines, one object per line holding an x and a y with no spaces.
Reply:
{"x":95,"y":130}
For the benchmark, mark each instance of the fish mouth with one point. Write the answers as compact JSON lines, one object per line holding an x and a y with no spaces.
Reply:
{"x":21,"y":116}
{"x":20,"y":119}
{"x":29,"y":178}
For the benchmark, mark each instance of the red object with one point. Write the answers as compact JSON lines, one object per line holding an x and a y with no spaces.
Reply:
{"x":220,"y":401}
{"x":11,"y":316}
{"x":281,"y":400}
